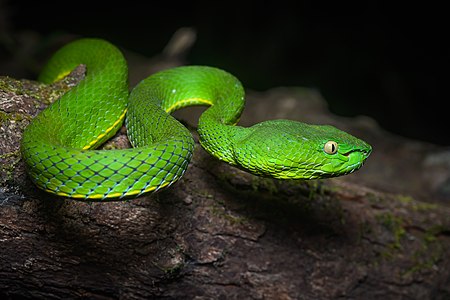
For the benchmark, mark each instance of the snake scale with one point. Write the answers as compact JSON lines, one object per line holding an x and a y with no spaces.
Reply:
{"x":58,"y":145}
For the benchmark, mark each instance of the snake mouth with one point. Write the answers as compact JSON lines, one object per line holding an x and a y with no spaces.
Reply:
{"x":355,"y":159}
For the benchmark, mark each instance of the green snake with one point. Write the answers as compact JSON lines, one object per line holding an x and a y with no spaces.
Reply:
{"x":58,"y":145}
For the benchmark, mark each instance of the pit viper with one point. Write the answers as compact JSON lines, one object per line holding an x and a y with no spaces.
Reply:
{"x":58,"y":145}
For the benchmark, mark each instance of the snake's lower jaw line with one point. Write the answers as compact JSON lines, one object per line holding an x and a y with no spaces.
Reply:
{"x":356,"y":160}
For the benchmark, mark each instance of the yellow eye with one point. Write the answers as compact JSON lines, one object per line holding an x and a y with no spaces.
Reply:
{"x":330,"y":147}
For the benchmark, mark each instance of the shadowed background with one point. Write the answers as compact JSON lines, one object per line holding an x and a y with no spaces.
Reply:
{"x":385,"y":62}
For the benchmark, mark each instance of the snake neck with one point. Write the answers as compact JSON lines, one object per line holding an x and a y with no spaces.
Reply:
{"x":218,"y":134}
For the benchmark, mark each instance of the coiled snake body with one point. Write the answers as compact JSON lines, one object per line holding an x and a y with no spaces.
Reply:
{"x":57,"y":145}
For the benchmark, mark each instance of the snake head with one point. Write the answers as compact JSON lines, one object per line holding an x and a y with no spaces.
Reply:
{"x":287,"y":149}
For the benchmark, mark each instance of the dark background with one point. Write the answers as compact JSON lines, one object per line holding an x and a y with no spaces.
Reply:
{"x":387,"y":62}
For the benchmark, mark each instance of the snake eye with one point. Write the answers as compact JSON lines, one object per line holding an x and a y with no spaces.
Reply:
{"x":330,"y":147}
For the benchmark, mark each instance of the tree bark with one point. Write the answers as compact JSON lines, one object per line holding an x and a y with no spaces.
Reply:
{"x":220,"y":233}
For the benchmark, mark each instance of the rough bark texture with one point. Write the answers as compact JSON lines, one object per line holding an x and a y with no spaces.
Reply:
{"x":220,"y":233}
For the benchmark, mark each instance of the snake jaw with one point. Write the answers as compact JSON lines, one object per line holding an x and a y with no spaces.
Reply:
{"x":356,"y":159}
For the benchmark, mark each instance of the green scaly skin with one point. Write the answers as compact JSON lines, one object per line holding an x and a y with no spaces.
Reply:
{"x":57,"y":145}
